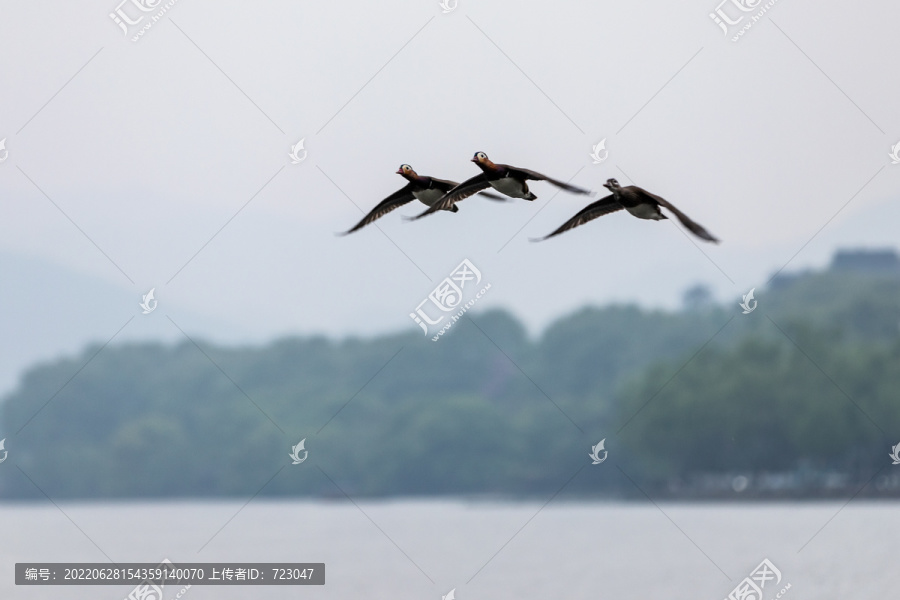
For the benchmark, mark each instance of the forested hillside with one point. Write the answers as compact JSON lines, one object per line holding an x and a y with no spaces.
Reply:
{"x":807,"y":386}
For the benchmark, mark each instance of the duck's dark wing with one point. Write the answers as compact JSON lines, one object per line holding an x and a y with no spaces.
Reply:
{"x":493,"y":196}
{"x":447,"y":185}
{"x":692,"y":226}
{"x":601,"y":207}
{"x":461,"y":192}
{"x":529,"y":174}
{"x":395,"y":200}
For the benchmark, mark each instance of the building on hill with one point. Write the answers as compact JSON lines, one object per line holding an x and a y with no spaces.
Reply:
{"x":882,"y":261}
{"x":869,"y":261}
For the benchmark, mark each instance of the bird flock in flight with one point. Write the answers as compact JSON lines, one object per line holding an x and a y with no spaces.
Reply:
{"x":442,"y":194}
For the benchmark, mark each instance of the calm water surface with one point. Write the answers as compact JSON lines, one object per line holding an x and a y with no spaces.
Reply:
{"x":487,"y":551}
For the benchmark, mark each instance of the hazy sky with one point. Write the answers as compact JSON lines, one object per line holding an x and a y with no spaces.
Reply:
{"x":163,"y":163}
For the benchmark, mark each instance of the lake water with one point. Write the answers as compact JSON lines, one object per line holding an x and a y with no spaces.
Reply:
{"x":412,"y":549}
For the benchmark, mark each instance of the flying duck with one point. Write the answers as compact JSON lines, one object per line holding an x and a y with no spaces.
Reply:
{"x":639,"y":202}
{"x":426,"y":190}
{"x":506,"y":179}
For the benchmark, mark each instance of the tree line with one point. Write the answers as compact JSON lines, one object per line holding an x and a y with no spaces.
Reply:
{"x":804,"y":385}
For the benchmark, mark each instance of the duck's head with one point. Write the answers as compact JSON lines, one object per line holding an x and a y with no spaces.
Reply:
{"x":481,"y":159}
{"x":612,"y":185}
{"x":406,"y":171}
